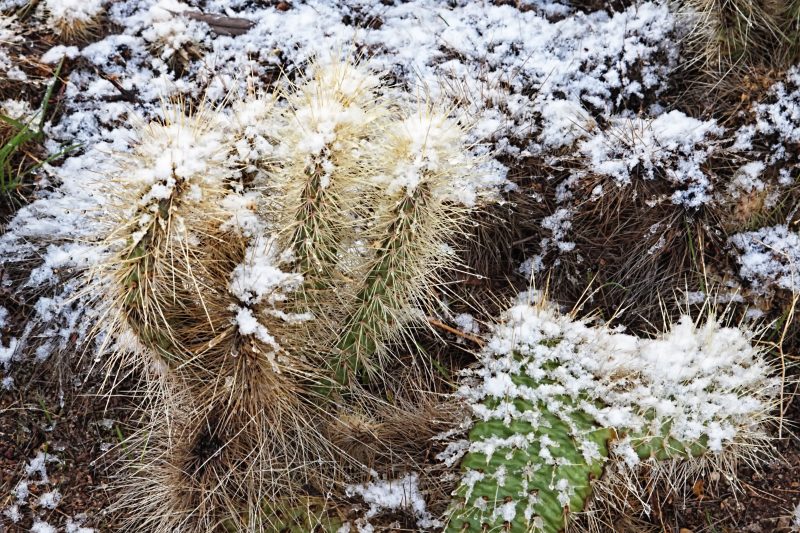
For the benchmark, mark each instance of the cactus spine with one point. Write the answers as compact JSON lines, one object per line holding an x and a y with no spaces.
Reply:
{"x":176,"y":172}
{"x":268,"y":261}
{"x":421,"y":162}
{"x":565,"y":412}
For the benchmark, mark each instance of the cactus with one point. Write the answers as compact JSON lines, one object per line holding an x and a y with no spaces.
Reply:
{"x":264,"y":261}
{"x":565,"y":412}
{"x":329,"y":121}
{"x":423,"y":164}
{"x":241,"y":426}
{"x":176,"y":174}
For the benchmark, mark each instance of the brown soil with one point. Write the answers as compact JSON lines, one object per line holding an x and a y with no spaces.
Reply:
{"x":767,"y":500}
{"x":82,"y":432}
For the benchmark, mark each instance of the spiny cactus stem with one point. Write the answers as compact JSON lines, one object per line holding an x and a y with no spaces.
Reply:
{"x":313,"y":239}
{"x":382,"y":294}
{"x":141,"y":270}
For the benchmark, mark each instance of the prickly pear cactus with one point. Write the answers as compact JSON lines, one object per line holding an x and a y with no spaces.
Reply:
{"x":525,"y":476}
{"x":558,"y":405}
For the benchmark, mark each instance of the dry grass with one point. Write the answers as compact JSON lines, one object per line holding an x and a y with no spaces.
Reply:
{"x":733,"y":51}
{"x":76,"y":29}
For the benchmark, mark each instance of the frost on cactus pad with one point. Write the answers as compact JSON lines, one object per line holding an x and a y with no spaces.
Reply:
{"x":558,"y":405}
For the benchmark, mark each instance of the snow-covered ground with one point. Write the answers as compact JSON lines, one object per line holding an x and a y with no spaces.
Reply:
{"x":541,"y":79}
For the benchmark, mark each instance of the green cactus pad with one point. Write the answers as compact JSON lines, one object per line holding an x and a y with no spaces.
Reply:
{"x":528,"y":476}
{"x":557,"y":402}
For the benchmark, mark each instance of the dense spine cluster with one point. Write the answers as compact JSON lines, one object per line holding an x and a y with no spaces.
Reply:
{"x":266,"y":265}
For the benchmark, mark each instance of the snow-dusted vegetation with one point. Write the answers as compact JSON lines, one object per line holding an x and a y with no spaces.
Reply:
{"x":287,"y":249}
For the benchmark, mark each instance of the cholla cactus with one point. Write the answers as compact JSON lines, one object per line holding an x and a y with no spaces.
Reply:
{"x":572,"y":421}
{"x":188,"y":256}
{"x":174,"y":178}
{"x":424,"y":179}
{"x":263,"y":261}
{"x":74,"y":20}
{"x":317,"y":187}
{"x":365,"y":189}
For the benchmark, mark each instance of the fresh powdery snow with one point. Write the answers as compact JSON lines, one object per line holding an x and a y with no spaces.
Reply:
{"x":770,"y":258}
{"x":73,"y":13}
{"x":394,"y":495}
{"x":672,"y":146}
{"x":43,"y":527}
{"x":776,"y":130}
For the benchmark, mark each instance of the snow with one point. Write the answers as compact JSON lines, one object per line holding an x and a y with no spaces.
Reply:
{"x":74,"y":525}
{"x":259,"y":278}
{"x":9,"y":37}
{"x":43,"y":527}
{"x":565,"y":122}
{"x":46,"y":497}
{"x":168,"y":31}
{"x":7,"y":353}
{"x":770,"y":258}
{"x":12,"y":513}
{"x":38,"y":466}
{"x":777,"y":126}
{"x":249,"y":325}
{"x":335,"y":103}
{"x":673,"y":146}
{"x":17,"y":109}
{"x":55,"y":54}
{"x":73,"y":12}
{"x":49,"y":500}
{"x":747,"y":177}
{"x":21,"y":491}
{"x":428,"y":147}
{"x":393,"y":495}
{"x":467,"y":323}
{"x":558,"y":224}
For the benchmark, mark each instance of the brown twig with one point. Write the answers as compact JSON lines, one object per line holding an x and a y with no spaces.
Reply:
{"x":221,"y":24}
{"x":441,"y":325}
